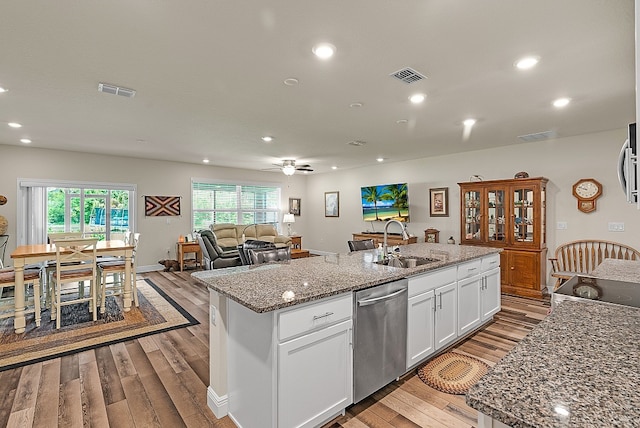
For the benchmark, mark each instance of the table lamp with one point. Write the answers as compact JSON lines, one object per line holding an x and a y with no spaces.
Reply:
{"x":289,"y":218}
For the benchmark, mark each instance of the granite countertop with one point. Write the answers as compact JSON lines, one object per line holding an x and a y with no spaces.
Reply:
{"x":261,"y":288}
{"x":619,"y":270}
{"x":577,"y":368}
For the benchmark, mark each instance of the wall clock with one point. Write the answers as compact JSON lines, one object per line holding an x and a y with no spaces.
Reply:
{"x":587,"y":190}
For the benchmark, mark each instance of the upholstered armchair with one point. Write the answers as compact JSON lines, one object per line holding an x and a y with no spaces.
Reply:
{"x":213,"y":256}
{"x":253,"y":244}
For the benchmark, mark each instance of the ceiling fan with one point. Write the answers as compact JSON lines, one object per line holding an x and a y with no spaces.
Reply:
{"x":289,"y":167}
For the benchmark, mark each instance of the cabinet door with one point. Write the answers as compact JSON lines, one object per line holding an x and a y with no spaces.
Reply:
{"x":472,"y":201}
{"x":469,"y":304}
{"x":315,"y":377}
{"x":497,"y":215}
{"x":523,"y":269}
{"x":490,"y":296}
{"x":526,"y":202}
{"x":420,"y":318}
{"x":446,"y":301}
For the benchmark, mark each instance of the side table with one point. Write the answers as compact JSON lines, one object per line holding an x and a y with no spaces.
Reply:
{"x":188,"y":247}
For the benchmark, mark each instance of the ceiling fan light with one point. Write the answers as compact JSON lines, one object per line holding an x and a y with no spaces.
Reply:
{"x":289,"y":169}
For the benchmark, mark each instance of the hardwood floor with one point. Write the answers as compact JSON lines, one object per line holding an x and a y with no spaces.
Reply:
{"x":161,"y":380}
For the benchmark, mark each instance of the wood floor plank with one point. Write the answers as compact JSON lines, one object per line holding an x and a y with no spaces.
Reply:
{"x":46,"y":409}
{"x":144,"y":414}
{"x":109,"y":378}
{"x":94,"y":409}
{"x":27,"y":389}
{"x":21,"y":418}
{"x":119,"y":415}
{"x":122,"y":360}
{"x":70,"y":405}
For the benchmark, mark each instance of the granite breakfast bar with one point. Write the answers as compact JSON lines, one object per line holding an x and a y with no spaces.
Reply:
{"x":577,"y":368}
{"x":256,"y":293}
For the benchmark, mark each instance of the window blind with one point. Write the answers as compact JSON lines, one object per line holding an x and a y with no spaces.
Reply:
{"x":214,"y":203}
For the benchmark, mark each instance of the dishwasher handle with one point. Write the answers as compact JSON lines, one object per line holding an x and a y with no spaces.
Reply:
{"x":366,"y":302}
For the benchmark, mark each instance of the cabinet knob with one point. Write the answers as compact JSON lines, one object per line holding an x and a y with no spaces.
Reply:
{"x":513,"y":268}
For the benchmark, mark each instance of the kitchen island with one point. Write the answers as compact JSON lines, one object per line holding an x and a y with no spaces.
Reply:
{"x":261,"y":324}
{"x":577,"y":368}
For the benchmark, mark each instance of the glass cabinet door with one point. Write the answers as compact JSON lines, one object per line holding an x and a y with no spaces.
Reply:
{"x":496,"y":215}
{"x":472,"y":215}
{"x":523,"y":214}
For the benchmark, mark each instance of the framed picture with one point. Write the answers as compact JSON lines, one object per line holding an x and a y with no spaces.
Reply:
{"x":332,"y":204}
{"x":439,"y":202}
{"x":294,"y":206}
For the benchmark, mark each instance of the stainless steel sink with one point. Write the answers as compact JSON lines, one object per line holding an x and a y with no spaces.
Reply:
{"x":406,"y":262}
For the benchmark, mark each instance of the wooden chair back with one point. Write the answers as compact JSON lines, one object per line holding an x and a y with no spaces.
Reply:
{"x":56,"y":236}
{"x":585,"y":255}
{"x":70,"y":253}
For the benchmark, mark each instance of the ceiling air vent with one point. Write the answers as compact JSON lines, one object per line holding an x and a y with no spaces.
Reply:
{"x":408,"y":75}
{"x":116,"y":90}
{"x":356,"y":143}
{"x":538,"y":136}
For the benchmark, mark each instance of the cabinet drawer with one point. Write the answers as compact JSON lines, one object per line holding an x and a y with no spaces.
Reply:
{"x":310,"y":317}
{"x":429,"y":281}
{"x":468,"y":269}
{"x":490,"y":262}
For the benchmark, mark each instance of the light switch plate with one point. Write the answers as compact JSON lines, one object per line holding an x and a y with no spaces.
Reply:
{"x":561,"y":225}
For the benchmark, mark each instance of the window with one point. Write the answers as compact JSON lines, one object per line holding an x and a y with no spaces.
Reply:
{"x":97,"y":209}
{"x":233,"y":203}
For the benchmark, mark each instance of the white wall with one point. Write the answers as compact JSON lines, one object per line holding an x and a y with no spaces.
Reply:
{"x":151,"y":177}
{"x":563,"y":161}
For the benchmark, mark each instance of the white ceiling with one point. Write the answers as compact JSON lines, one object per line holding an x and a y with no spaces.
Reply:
{"x":209,"y":76}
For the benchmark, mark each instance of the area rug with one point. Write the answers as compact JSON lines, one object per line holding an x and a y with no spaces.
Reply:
{"x":452,"y":373}
{"x":157,"y":313}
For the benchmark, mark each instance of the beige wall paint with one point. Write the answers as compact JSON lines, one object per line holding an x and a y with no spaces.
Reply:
{"x":151,"y":177}
{"x":562,"y":161}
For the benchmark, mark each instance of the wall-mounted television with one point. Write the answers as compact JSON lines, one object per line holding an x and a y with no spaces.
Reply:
{"x":385,"y":202}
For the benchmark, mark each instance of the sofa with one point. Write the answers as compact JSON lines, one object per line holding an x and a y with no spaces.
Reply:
{"x":229,"y":236}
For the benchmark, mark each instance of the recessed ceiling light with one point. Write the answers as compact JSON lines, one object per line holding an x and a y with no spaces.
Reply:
{"x":380,"y":159}
{"x":469,"y":122}
{"x":205,"y":160}
{"x":267,"y":139}
{"x":334,"y":167}
{"x":14,"y":125}
{"x":25,"y":140}
{"x":355,"y":105}
{"x":561,"y":102}
{"x":324,"y":50}
{"x":291,"y":81}
{"x":417,"y":98}
{"x":402,"y":121}
{"x":527,"y":62}
{"x":2,"y":89}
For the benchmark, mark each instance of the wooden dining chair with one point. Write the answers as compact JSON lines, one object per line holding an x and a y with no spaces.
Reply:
{"x":116,"y":268}
{"x":4,"y":239}
{"x":75,"y":263}
{"x":7,"y":303}
{"x":56,"y":236}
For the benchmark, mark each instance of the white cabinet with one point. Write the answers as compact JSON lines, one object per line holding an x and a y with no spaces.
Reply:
{"x":292,"y":367}
{"x":469,"y":316}
{"x":478,"y":292}
{"x":420,"y":332}
{"x":490,"y":293}
{"x":429,"y":327}
{"x":315,"y":376}
{"x":446,"y":300}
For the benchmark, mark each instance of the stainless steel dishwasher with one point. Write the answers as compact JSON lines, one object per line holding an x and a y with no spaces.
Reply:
{"x":380,"y":337}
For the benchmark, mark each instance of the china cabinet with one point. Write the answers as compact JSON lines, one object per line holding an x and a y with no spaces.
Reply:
{"x":510,"y":214}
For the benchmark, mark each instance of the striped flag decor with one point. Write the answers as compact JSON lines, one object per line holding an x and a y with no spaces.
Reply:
{"x":155,"y":206}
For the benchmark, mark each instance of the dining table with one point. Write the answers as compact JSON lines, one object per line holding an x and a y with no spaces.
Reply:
{"x":40,"y":253}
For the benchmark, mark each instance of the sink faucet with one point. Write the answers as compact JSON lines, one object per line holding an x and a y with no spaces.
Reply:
{"x":405,"y":235}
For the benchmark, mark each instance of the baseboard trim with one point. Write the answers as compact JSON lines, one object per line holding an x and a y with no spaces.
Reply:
{"x":149,"y":268}
{"x":218,"y":405}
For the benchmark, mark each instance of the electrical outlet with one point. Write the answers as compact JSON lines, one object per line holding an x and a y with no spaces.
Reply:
{"x":561,"y":225}
{"x":616,"y":227}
